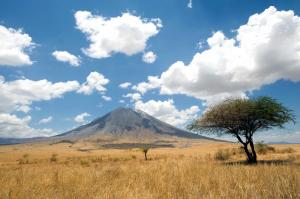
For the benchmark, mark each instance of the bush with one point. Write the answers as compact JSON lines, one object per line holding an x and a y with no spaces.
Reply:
{"x":24,"y":159}
{"x":97,"y":159}
{"x":53,"y":158}
{"x":238,"y":151}
{"x":222,"y":154}
{"x":262,"y":148}
{"x":85,"y":163}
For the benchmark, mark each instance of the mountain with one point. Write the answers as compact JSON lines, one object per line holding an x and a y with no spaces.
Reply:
{"x":123,"y":125}
{"x":127,"y":124}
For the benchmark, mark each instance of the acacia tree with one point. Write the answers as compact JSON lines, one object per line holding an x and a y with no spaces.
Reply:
{"x":145,"y":151}
{"x":242,"y":118}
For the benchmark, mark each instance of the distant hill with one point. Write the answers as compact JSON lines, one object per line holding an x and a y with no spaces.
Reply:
{"x":8,"y":141}
{"x":282,"y":142}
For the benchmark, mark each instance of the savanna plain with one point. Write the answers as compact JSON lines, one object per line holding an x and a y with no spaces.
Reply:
{"x":205,"y":170}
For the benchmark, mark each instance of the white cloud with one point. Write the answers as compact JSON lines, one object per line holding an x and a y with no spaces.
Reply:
{"x":149,"y":57}
{"x":122,"y":101}
{"x":65,"y":56}
{"x":143,"y":87}
{"x":23,"y":108}
{"x":133,"y":96}
{"x":94,"y":81}
{"x":126,"y":34}
{"x":81,"y":118}
{"x":264,"y":50}
{"x":18,"y":95}
{"x":125,"y":85}
{"x":106,"y":98}
{"x":190,"y":4}
{"x":167,"y":112}
{"x":46,"y":120}
{"x":14,"y":43}
{"x":13,"y":126}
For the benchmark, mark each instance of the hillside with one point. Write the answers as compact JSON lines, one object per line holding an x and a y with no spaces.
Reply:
{"x":125,"y":122}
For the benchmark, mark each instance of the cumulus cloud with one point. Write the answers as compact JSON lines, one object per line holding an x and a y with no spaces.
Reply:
{"x":125,"y":85}
{"x":13,"y":126}
{"x":46,"y":120}
{"x":18,"y":95}
{"x":190,"y":4}
{"x":265,"y":49}
{"x":133,"y":96}
{"x":143,"y":87}
{"x":166,"y":111}
{"x":94,"y":81}
{"x":14,"y":44}
{"x":81,"y":118}
{"x":65,"y":56}
{"x":126,"y":34}
{"x":149,"y":57}
{"x":106,"y":98}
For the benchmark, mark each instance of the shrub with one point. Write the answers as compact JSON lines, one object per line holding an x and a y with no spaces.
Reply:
{"x":25,"y":156}
{"x":85,"y":163}
{"x":222,"y":154}
{"x":237,"y":151}
{"x":24,"y":159}
{"x":262,"y":148}
{"x":97,"y":159}
{"x":53,"y":158}
{"x":116,"y":159}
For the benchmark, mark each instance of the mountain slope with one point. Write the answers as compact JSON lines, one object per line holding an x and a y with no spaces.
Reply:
{"x":127,"y":123}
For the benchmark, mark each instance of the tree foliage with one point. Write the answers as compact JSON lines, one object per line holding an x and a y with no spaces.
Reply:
{"x":242,"y":118}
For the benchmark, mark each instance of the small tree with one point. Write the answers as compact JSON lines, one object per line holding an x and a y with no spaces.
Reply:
{"x":145,"y":151}
{"x":242,"y":118}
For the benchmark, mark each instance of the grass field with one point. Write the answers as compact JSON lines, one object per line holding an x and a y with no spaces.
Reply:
{"x":58,"y":171}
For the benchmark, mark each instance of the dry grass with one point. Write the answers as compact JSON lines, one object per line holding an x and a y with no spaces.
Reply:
{"x":170,"y":173}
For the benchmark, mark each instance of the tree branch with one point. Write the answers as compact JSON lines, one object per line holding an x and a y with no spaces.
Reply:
{"x":240,"y":139}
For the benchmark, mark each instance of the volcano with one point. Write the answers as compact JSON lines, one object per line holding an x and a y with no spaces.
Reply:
{"x":126,"y":123}
{"x":123,"y":125}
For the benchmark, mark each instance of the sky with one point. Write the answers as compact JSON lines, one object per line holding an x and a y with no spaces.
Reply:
{"x":65,"y":63}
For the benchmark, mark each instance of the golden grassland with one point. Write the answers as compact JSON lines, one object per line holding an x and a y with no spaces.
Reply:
{"x":59,"y":171}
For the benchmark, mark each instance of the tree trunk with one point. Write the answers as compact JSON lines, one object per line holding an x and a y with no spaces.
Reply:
{"x":251,"y":158}
{"x":145,"y":155}
{"x":254,"y":156}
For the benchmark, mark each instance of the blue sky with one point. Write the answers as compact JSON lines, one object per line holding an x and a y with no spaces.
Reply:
{"x":196,"y":56}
